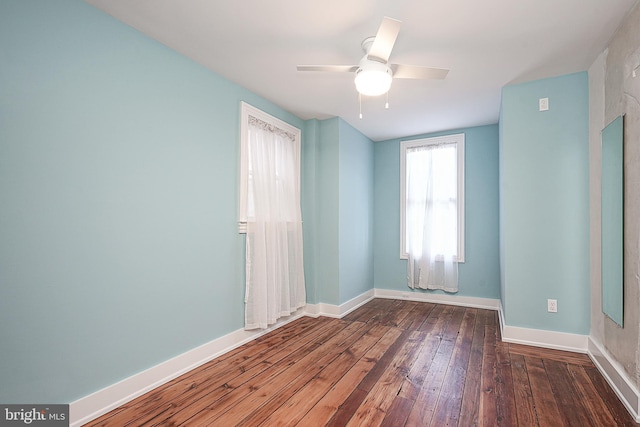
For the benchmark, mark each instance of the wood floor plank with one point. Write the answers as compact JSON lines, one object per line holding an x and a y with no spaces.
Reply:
{"x":364,"y":312}
{"x":525,"y":410}
{"x":587,"y":393}
{"x":393,"y":313}
{"x":417,"y":316}
{"x":391,"y":363}
{"x":373,"y":409}
{"x":380,"y":312}
{"x":398,"y":412}
{"x":544,"y":401}
{"x":279,"y":390}
{"x":324,"y":410}
{"x":253,"y":393}
{"x":487,"y":406}
{"x":447,"y":411}
{"x":469,"y":408}
{"x":572,"y":410}
{"x":422,"y":412}
{"x":288,"y":408}
{"x":413,"y":382}
{"x":201,"y":397}
{"x":441,"y":313}
{"x":551,"y":354}
{"x":353,"y":402}
{"x":609,"y":398}
{"x":345,"y":411}
{"x":506,"y":404}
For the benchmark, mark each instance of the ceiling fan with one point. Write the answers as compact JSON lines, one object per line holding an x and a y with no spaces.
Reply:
{"x":373,"y":75}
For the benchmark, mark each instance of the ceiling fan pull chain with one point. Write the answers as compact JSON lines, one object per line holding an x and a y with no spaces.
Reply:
{"x":360,"y":102}
{"x":386,"y":105}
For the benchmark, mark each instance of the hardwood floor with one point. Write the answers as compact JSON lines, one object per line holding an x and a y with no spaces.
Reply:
{"x":388,"y":363}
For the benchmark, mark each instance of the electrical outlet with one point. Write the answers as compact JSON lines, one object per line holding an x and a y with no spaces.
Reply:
{"x":543,"y":104}
{"x":552,"y":305}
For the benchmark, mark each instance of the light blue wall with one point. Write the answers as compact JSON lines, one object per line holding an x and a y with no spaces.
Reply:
{"x":310,"y":204}
{"x":343,"y":227}
{"x":479,"y":276}
{"x":328,"y":205}
{"x":356,"y":213}
{"x":118,"y":180}
{"x":501,"y":209}
{"x":545,"y":204}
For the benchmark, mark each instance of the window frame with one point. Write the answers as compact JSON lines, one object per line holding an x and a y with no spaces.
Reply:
{"x":459,"y":140}
{"x":246,"y":111}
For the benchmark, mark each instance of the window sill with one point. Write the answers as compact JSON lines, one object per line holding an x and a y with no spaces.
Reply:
{"x":458,"y":260}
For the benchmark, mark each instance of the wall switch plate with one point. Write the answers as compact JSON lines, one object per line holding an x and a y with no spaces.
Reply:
{"x":552,"y":306}
{"x":543,"y":104}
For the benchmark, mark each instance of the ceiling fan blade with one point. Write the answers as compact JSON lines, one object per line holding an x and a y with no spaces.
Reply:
{"x":417,"y":72}
{"x":329,"y":68}
{"x":385,"y":39}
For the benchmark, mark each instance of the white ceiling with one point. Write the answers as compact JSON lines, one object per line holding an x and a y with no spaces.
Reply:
{"x":486,"y":44}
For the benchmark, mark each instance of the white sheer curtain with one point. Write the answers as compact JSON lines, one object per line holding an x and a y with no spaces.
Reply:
{"x":432,"y":218}
{"x":274,"y":268}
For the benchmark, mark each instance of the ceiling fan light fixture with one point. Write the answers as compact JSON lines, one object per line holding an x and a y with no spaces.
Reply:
{"x":373,"y":80}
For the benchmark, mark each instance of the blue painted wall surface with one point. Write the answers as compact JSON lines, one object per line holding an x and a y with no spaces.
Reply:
{"x":503,"y":255}
{"x":356,"y":213}
{"x":118,"y":183}
{"x":310,"y":181}
{"x":343,"y":227}
{"x":328,"y":205}
{"x":479,"y":276}
{"x":545,"y":204}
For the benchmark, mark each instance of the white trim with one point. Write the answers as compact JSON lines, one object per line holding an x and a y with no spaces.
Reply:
{"x":102,"y":401}
{"x":548,"y":339}
{"x":501,"y":318}
{"x":542,"y":338}
{"x":463,"y":301}
{"x":617,"y":378}
{"x":458,"y":140}
{"x":339,"y":311}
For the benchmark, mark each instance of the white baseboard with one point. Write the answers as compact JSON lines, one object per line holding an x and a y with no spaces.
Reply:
{"x":547,"y":339}
{"x":542,"y":338}
{"x":475,"y":302}
{"x":102,"y":401}
{"x":338,"y":311}
{"x":617,"y":378}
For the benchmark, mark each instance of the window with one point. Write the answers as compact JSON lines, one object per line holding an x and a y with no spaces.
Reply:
{"x":432,"y":181}
{"x":289,"y":135}
{"x":271,"y":217}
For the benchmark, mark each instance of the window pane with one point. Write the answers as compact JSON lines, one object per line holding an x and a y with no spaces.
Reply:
{"x":431,"y":185}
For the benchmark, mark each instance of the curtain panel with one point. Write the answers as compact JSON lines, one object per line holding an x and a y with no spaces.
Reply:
{"x":275,"y":284}
{"x":431,"y":217}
